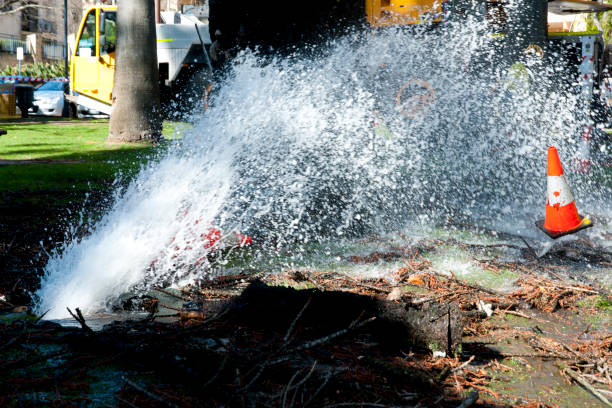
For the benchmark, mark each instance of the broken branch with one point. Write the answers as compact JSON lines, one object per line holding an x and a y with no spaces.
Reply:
{"x":80,"y":319}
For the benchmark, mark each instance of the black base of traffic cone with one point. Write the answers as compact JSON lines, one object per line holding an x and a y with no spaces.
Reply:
{"x":586,"y":223}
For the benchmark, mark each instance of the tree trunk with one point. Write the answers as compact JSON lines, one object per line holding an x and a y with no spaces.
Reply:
{"x":528,"y":25}
{"x":136,"y":109}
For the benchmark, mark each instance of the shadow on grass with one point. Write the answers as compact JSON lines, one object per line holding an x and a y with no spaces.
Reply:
{"x":49,"y":119}
{"x":38,"y":149}
{"x":76,"y":171}
{"x":89,"y":151}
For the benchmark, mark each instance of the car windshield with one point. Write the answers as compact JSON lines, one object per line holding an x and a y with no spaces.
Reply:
{"x":51,"y":86}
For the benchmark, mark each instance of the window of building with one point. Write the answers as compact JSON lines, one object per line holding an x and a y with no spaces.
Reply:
{"x":29,"y":19}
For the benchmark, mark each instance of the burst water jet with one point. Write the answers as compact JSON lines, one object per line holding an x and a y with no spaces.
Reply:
{"x":288,"y":153}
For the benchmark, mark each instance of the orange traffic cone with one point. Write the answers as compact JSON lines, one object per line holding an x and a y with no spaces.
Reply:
{"x":562,"y":216}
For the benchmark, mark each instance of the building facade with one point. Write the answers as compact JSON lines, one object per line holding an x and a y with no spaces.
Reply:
{"x":39,"y":30}
{"x":165,"y":5}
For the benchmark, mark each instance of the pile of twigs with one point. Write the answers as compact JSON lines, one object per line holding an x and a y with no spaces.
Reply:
{"x":594,"y":375}
{"x":548,"y":295}
{"x":217,"y":353}
{"x":532,"y":291}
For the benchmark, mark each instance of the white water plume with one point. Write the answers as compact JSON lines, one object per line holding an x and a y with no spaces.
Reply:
{"x":310,"y":148}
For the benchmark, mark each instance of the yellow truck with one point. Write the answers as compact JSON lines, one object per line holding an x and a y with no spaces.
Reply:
{"x":382,"y":13}
{"x":569,"y":35}
{"x":183,"y":41}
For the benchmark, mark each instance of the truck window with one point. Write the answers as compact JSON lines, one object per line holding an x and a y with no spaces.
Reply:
{"x":87,"y":41}
{"x":110,"y":33}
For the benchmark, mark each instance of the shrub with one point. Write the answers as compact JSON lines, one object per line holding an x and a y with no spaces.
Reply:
{"x":39,"y":70}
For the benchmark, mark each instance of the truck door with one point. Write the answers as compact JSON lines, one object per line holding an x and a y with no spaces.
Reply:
{"x":85,"y":61}
{"x":108,"y":41}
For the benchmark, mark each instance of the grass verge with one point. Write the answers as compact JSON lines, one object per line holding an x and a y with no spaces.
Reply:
{"x":65,"y":156}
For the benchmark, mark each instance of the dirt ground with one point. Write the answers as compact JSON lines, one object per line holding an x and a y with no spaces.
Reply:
{"x":546,"y":341}
{"x":31,"y":226}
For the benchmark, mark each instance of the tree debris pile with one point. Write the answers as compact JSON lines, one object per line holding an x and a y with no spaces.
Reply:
{"x":549,"y":302}
{"x":270,"y":345}
{"x":309,"y":338}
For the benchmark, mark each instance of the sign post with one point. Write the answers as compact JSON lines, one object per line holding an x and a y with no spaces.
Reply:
{"x":65,"y":38}
{"x":19,"y":58}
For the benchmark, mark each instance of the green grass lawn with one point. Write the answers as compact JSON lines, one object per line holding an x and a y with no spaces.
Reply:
{"x":67,"y":156}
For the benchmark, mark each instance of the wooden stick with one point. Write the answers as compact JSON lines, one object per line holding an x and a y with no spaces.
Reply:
{"x":303,"y":380}
{"x":286,"y":390}
{"x":333,"y":335}
{"x":568,"y":348}
{"x":147,"y":393}
{"x":469,"y":285}
{"x":167,"y":292}
{"x":530,"y":248}
{"x":126,"y":402}
{"x":593,"y":378}
{"x":586,"y":385}
{"x":221,"y":367}
{"x":470,"y":400}
{"x":39,"y":318}
{"x":527,"y":355}
{"x":155,"y":316}
{"x":305,"y":346}
{"x":292,"y":326}
{"x":463,"y":365}
{"x":178,"y":309}
{"x":215,"y":293}
{"x":435,"y":298}
{"x":314,"y":395}
{"x":79,"y":318}
{"x":365,"y":285}
{"x":218,"y":315}
{"x":604,"y":391}
{"x":512,"y":312}
{"x":262,"y":367}
{"x":574,"y":288}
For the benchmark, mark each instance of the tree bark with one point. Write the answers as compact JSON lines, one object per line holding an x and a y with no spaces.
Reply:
{"x":136,"y":109}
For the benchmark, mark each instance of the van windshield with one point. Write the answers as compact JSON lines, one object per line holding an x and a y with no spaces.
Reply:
{"x":51,"y":86}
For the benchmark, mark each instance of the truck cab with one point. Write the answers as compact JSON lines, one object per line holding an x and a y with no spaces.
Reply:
{"x":381,"y":13}
{"x":182,"y":54}
{"x":92,"y":67}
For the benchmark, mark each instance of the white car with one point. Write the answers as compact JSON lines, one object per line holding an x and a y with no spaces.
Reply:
{"x":49,"y":99}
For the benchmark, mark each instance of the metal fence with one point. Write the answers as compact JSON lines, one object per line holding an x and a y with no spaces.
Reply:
{"x":9,"y":43}
{"x":50,"y":49}
{"x":53,"y":50}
